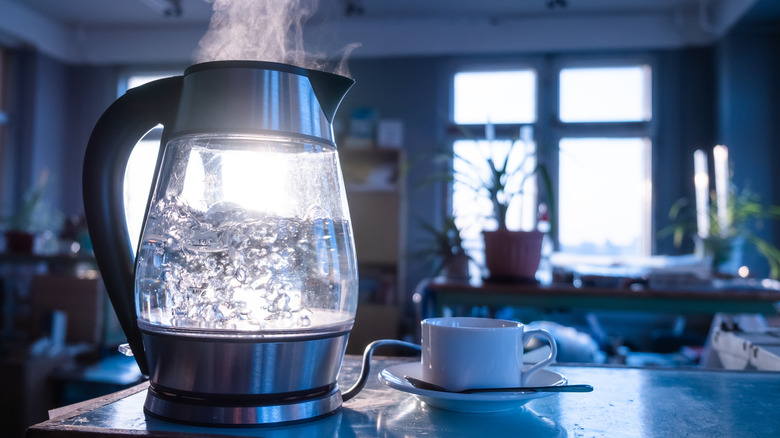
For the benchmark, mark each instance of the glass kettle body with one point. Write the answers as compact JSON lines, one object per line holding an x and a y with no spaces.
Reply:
{"x":239,"y":303}
{"x":247,"y":234}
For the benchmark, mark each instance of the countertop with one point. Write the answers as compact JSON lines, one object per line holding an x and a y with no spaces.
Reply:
{"x":626,"y":402}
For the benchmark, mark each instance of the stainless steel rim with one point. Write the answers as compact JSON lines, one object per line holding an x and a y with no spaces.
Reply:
{"x":198,"y":413}
{"x":215,"y":367}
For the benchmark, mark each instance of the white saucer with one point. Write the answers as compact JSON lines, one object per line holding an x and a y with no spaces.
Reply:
{"x":393,"y":376}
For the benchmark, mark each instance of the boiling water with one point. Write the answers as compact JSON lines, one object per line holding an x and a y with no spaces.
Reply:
{"x":232,"y":269}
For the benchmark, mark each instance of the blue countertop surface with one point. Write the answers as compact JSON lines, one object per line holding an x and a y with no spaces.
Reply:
{"x":626,"y":402}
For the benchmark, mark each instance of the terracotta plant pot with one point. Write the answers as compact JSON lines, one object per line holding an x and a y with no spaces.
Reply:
{"x":512,"y":256}
{"x":19,"y":242}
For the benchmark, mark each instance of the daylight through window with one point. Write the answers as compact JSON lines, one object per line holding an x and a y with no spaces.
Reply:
{"x":603,"y":155}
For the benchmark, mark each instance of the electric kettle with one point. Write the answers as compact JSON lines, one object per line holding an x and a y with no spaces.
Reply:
{"x":240,"y":300}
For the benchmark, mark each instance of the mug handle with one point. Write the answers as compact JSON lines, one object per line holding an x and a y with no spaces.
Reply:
{"x":547,"y":361}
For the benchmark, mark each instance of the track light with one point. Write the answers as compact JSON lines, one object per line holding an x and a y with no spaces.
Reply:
{"x":553,"y":4}
{"x":168,"y":8}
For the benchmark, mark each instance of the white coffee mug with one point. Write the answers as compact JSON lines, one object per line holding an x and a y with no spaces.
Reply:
{"x":463,"y":353}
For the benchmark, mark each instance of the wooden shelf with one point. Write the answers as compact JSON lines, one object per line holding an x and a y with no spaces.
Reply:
{"x":376,"y":197}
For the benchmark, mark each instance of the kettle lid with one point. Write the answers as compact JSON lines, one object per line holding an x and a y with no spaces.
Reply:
{"x":259,"y":96}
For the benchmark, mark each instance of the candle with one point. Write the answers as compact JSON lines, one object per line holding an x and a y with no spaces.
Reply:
{"x":721,"y":158}
{"x":701,"y":181}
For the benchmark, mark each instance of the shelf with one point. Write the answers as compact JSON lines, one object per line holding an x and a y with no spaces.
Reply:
{"x":367,"y":188}
{"x":375,"y":193}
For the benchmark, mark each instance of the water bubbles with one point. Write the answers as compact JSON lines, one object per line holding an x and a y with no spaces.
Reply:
{"x":280,"y":304}
{"x":304,"y":317}
{"x":317,"y":212}
{"x":229,"y":268}
{"x":241,"y":275}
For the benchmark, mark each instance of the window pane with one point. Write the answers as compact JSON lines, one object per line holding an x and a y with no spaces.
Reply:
{"x":604,"y":196}
{"x":138,"y":80}
{"x":496,"y":97}
{"x":617,"y":94}
{"x":138,"y":181}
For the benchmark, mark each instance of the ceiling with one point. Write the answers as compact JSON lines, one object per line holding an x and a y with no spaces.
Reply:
{"x":132,"y":31}
{"x":146,"y":12}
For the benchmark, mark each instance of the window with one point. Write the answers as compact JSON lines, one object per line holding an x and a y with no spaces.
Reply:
{"x":140,"y":166}
{"x":605,"y":94}
{"x":604,"y":160}
{"x":495,"y":97}
{"x":603,"y":134}
{"x":603,"y":187}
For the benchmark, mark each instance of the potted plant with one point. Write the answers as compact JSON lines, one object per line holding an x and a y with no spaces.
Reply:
{"x":444,"y":249}
{"x":28,"y":220}
{"x":510,"y":255}
{"x":724,"y":244}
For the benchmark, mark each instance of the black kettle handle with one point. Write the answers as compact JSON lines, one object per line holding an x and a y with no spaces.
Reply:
{"x":117,"y":131}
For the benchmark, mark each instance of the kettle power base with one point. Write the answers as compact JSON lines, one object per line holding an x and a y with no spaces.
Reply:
{"x":201,"y":412}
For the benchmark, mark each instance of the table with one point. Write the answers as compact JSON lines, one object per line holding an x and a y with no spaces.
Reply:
{"x":626,"y":402}
{"x":53,"y":261}
{"x":567,"y":297}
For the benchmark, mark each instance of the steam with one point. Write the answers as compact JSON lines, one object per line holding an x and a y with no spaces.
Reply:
{"x":264,"y":30}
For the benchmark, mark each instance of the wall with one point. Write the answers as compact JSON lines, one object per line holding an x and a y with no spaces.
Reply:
{"x":686,"y":108}
{"x":749,"y":116}
{"x":36,"y":127}
{"x":52,"y":114}
{"x":92,"y":89}
{"x":408,"y":89}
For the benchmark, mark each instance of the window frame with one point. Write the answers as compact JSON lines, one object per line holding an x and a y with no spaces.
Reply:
{"x":642,"y":129}
{"x":548,"y":129}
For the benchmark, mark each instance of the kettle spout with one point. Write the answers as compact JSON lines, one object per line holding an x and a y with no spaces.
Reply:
{"x":330,"y":89}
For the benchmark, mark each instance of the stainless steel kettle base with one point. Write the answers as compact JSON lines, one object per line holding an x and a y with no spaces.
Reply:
{"x":211,"y":413}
